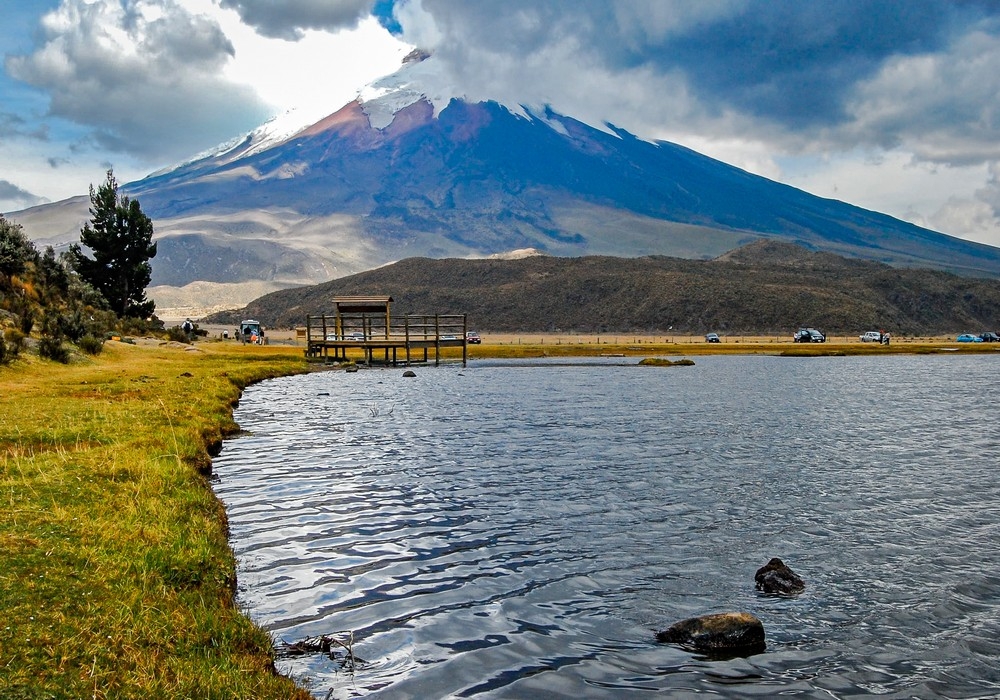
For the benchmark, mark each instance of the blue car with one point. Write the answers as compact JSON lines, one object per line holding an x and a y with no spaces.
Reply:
{"x":968,"y":338}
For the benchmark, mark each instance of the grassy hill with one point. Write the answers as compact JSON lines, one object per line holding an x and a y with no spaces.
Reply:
{"x":764,"y":287}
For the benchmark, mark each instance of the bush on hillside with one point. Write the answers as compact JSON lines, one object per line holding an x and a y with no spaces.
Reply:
{"x":177,"y":334}
{"x":91,"y":345}
{"x":50,"y":344}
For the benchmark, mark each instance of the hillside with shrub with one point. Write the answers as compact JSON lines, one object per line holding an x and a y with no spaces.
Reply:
{"x":766,"y":287}
{"x":46,"y":307}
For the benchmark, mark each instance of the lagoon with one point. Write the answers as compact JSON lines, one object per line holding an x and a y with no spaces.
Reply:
{"x":522,"y":529}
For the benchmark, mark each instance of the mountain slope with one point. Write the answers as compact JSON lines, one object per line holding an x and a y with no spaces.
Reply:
{"x":765,"y":287}
{"x":406,"y":175}
{"x":476,"y":179}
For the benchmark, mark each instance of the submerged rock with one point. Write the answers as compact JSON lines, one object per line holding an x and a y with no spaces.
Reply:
{"x":721,"y":632}
{"x":777,"y":577}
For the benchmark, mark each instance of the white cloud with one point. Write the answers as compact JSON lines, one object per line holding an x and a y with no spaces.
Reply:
{"x":317,"y":74}
{"x":290,"y":19}
{"x":942,"y":106}
{"x":143,"y":78}
{"x":141,"y":84}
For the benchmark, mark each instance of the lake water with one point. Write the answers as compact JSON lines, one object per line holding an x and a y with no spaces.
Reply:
{"x":523,"y":530}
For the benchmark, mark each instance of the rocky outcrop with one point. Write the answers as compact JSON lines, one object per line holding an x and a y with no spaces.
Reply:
{"x":777,"y":578}
{"x":735,"y":632}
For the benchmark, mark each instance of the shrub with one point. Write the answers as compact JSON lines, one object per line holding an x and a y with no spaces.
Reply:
{"x":177,"y":333}
{"x":15,"y":341}
{"x":26,"y":316}
{"x":141,"y":326}
{"x":51,"y":347}
{"x":10,"y":344}
{"x":91,"y":345}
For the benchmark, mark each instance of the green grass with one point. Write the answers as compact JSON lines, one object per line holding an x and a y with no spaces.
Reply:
{"x":117,"y":578}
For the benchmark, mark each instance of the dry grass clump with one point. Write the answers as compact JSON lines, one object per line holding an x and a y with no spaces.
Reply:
{"x":664,"y":362}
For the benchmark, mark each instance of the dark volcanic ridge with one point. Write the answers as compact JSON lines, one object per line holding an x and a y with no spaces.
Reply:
{"x":766,"y":287}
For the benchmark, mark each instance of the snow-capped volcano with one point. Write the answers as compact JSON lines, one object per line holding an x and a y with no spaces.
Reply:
{"x":410,"y":168}
{"x":418,"y":79}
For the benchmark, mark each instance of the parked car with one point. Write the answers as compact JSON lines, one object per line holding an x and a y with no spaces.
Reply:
{"x":872,"y":337}
{"x":712,"y":338}
{"x":968,"y":338}
{"x":473,"y":338}
{"x":250,"y":331}
{"x":990,"y":337}
{"x":808,"y":335}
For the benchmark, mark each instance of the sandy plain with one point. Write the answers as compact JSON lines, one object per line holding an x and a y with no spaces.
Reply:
{"x":638,"y":344}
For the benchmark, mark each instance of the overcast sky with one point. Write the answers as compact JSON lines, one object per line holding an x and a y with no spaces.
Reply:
{"x":893,"y":105}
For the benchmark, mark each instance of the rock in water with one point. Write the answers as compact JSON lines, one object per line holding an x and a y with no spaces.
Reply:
{"x":776,"y":577}
{"x":732,"y":631}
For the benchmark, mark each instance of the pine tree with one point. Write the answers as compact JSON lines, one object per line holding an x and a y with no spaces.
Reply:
{"x":121,"y":241}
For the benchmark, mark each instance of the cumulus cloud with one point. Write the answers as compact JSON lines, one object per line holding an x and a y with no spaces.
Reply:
{"x":976,"y":216}
{"x":14,"y":125}
{"x":143,"y":75}
{"x":289,"y":19}
{"x":13,"y":198}
{"x":944,"y":105}
{"x":794,"y":74}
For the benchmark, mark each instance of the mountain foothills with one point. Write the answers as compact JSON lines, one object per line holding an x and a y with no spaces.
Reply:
{"x":405,"y":175}
{"x":762,"y":288}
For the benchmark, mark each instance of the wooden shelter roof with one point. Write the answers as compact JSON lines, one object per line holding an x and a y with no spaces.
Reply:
{"x":361,"y":304}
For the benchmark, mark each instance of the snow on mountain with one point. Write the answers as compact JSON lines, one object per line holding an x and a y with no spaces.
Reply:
{"x":274,"y":131}
{"x":420,"y":78}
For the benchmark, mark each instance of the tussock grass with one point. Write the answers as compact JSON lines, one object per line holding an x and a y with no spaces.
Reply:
{"x":117,"y":577}
{"x":663,"y":362}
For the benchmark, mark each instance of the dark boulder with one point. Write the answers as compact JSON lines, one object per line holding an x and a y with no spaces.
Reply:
{"x":409,"y":373}
{"x":775,"y":577}
{"x":722,"y":632}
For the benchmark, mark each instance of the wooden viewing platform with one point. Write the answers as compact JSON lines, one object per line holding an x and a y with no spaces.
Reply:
{"x":365,"y":323}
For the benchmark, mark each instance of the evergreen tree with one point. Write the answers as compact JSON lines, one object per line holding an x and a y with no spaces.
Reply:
{"x":16,"y":251}
{"x":121,"y":241}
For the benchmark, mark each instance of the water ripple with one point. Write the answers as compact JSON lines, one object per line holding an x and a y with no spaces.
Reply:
{"x":513,"y":530}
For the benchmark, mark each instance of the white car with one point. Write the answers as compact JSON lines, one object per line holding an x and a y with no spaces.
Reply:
{"x":871,"y":337}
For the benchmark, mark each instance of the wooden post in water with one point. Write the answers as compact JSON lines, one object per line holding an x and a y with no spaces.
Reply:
{"x":406,"y":331}
{"x":437,"y":340}
{"x":465,"y":340}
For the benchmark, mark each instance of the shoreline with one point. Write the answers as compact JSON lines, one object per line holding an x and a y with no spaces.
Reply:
{"x":136,"y":558}
{"x":513,"y":345}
